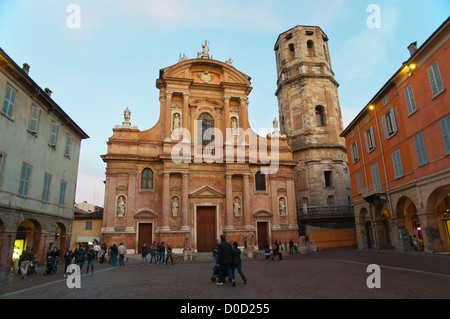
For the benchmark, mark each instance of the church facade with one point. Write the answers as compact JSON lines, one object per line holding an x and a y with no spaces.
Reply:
{"x":201,"y":171}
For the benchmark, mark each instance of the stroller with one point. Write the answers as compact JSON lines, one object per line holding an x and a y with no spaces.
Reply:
{"x":102,"y":257}
{"x":215,"y":276}
{"x":32,"y":267}
{"x":50,"y":266}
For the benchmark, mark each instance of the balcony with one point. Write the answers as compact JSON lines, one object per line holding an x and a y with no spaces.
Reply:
{"x":325,"y":213}
{"x":374,"y":192}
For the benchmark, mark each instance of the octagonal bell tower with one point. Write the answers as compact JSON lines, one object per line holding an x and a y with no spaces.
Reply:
{"x":310,"y":116}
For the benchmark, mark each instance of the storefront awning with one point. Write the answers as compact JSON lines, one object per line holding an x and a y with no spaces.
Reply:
{"x":86,"y":239}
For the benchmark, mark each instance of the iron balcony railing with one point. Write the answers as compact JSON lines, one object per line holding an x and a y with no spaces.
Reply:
{"x":325,"y":212}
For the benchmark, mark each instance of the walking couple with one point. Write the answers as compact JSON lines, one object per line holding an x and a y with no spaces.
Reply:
{"x":229,"y":259}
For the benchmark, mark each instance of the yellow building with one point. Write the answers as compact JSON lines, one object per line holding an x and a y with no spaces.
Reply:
{"x":86,"y":227}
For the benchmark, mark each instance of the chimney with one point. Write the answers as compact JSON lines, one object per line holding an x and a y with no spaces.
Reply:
{"x":48,"y":91}
{"x":26,"y":68}
{"x":412,"y":48}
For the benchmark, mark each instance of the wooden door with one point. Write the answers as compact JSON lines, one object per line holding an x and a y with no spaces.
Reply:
{"x":145,"y":236}
{"x":262,"y":235}
{"x":206,"y":228}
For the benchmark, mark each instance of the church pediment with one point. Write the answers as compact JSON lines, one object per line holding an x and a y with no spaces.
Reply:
{"x":206,"y":192}
{"x":262,"y":214}
{"x":146,"y":214}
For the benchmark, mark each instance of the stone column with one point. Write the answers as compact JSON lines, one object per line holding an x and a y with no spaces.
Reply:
{"x":246,"y":195}
{"x":272,"y":187}
{"x":226,"y":114}
{"x":165,"y":202}
{"x":243,"y":118}
{"x":291,"y":204}
{"x":168,"y":119}
{"x":229,"y":202}
{"x":186,"y":115}
{"x":185,"y":202}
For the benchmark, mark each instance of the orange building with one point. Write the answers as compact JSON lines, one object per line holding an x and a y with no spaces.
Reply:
{"x":398,"y":151}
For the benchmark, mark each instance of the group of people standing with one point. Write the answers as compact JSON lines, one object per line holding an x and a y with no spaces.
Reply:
{"x":157,"y":253}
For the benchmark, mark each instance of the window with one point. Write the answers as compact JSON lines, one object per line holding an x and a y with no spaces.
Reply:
{"x":8,"y":101}
{"x":370,"y":140}
{"x":88,"y":225}
{"x":68,"y":145}
{"x":328,"y":175}
{"x":147,"y":179}
{"x":24,"y":180}
{"x":445,"y":129}
{"x":310,"y":46}
{"x":389,"y":124}
{"x":2,"y":164}
{"x":291,"y":51}
{"x":385,"y":100}
{"x":420,"y":149}
{"x":410,"y":102}
{"x":375,"y":176}
{"x":34,"y":119}
{"x":359,"y":182}
{"x":435,"y":79}
{"x":205,"y":129}
{"x":354,"y":152}
{"x":397,"y":162}
{"x":62,"y":193}
{"x":260,"y":181}
{"x":320,"y":116}
{"x":46,"y":188}
{"x":53,"y":134}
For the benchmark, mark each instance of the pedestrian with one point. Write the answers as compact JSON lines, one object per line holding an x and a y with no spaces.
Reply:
{"x":68,"y":256}
{"x":153,"y":253}
{"x":158,"y":250}
{"x":97,"y":249}
{"x":25,"y":259}
{"x":291,"y":247}
{"x":216,"y":250}
{"x":113,"y":253}
{"x":79,"y":257}
{"x":169,"y":254}
{"x":224,"y":260}
{"x":162,"y":253}
{"x":276,"y":250}
{"x":122,"y":252}
{"x":144,"y":251}
{"x":237,"y":264}
{"x":55,"y":254}
{"x":90,"y":259}
{"x":267,"y":251}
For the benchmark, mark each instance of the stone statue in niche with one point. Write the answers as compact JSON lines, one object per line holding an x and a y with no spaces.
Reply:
{"x":234,"y":126}
{"x":121,"y":206}
{"x":175,"y":207}
{"x":237,"y":206}
{"x":176,"y":122}
{"x":282,"y":206}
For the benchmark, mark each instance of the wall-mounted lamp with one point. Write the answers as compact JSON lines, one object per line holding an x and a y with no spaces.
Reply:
{"x":410,"y":68}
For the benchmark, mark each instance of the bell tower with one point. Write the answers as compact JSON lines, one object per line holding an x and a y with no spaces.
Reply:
{"x":310,"y":116}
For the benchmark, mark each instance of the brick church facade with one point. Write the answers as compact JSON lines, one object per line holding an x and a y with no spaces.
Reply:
{"x":201,"y":171}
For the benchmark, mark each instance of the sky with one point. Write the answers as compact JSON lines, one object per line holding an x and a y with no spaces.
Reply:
{"x":99,"y":57}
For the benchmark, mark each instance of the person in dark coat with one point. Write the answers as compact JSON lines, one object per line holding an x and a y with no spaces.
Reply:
{"x":144,"y":250}
{"x":68,"y":256}
{"x":224,"y":260}
{"x":237,"y":262}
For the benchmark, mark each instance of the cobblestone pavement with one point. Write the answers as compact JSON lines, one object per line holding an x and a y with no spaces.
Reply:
{"x":337,"y":274}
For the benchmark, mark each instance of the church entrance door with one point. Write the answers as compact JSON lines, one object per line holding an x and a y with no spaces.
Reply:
{"x":206,"y":228}
{"x":145,"y":236}
{"x":262,"y":234}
